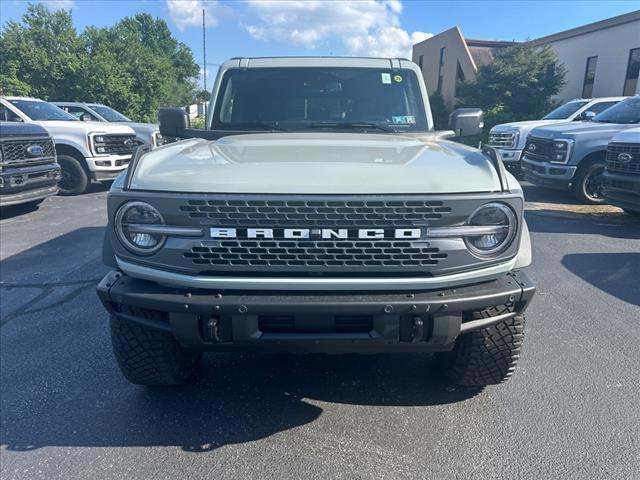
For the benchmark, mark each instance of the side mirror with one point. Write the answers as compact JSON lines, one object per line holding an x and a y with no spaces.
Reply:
{"x":173,"y":122}
{"x":587,"y":116}
{"x":466,"y":122}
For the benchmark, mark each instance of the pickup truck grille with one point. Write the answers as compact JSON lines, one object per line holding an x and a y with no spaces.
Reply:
{"x":15,"y":152}
{"x":316,"y":254}
{"x":115,"y":144}
{"x":502,"y":139}
{"x":538,"y":148}
{"x":624,"y":164}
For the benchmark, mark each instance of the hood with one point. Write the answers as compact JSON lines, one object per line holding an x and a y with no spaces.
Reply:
{"x":147,"y":128}
{"x":316,"y":163}
{"x":579,"y":129}
{"x":525,"y":126}
{"x":62,"y":126}
{"x":21,"y":129}
{"x":631,"y":135}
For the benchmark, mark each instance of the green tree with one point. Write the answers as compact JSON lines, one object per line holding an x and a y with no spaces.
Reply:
{"x":135,"y":66}
{"x":518,"y":85}
{"x":42,"y":53}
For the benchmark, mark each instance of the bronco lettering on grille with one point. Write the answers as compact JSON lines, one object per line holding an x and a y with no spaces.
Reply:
{"x":319,"y":233}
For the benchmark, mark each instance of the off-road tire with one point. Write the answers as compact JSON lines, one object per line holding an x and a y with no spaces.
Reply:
{"x":580,"y":187}
{"x":487,"y":356}
{"x":151,"y":357}
{"x":74,"y":179}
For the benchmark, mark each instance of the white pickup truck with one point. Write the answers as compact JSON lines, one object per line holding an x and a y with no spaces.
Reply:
{"x":86,"y":150}
{"x":509,"y":138}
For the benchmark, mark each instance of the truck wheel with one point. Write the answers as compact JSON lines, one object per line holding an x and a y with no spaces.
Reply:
{"x":151,"y":357}
{"x":588,"y":184}
{"x":74,"y":180}
{"x":487,"y":356}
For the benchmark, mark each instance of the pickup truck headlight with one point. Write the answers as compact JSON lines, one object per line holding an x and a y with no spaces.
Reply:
{"x":561,"y":151}
{"x":134,"y":226}
{"x":500,"y":229}
{"x":158,"y":139}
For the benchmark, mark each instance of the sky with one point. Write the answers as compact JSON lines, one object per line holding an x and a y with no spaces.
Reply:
{"x":332,"y":27}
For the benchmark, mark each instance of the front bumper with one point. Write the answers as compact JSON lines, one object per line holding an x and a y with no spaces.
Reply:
{"x":115,"y":165}
{"x":316,"y":321}
{"x":623,"y":190}
{"x":28,"y":184}
{"x":547,"y":174}
{"x":510,"y":158}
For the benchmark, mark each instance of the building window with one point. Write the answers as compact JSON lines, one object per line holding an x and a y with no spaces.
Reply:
{"x":633,"y":70}
{"x":441,"y":70}
{"x":589,"y":77}
{"x":459,"y":78}
{"x":420,"y":61}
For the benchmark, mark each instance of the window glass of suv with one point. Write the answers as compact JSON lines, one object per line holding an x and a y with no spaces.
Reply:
{"x":600,"y":107}
{"x":626,"y":112}
{"x":299,"y":98}
{"x":37,"y":110}
{"x":565,"y":111}
{"x":109,"y":114}
{"x":7,"y":115}
{"x":79,"y":112}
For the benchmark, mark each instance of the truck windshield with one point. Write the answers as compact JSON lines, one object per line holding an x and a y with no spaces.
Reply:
{"x":626,"y":112}
{"x":37,"y":110}
{"x":565,"y":111}
{"x":109,"y":114}
{"x":310,"y":98}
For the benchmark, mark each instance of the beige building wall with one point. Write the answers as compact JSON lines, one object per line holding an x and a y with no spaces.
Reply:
{"x":611,"y":46}
{"x":455,"y":51}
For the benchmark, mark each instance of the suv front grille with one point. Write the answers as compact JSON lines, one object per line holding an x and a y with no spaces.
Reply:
{"x":14,"y":152}
{"x":538,"y":148}
{"x":320,"y":213}
{"x":614,"y":162}
{"x":316,"y":254}
{"x":324,"y":254}
{"x":502,"y":139}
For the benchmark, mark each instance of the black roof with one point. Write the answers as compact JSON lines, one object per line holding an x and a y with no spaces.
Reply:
{"x":13,"y":129}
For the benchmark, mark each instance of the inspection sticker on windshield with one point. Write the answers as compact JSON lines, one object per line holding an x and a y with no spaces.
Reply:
{"x":386,"y":78}
{"x":404,"y":119}
{"x":397,"y":78}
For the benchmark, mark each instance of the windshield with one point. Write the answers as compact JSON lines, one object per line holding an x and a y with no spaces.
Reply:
{"x":305,"y":98}
{"x":109,"y":114}
{"x":627,"y":111}
{"x":565,"y":111}
{"x":37,"y":110}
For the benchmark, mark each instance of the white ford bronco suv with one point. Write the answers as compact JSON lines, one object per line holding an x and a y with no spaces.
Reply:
{"x":318,"y":212}
{"x":86,"y":150}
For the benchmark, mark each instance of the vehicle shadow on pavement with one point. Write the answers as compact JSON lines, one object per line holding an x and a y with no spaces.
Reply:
{"x":613,"y":273}
{"x":237,"y":399}
{"x":609,"y":225}
{"x":534,"y":193}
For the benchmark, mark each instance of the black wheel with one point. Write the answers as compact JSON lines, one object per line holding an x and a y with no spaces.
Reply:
{"x":74,"y":180}
{"x":588,"y":184}
{"x":484,"y":357}
{"x":151,"y":357}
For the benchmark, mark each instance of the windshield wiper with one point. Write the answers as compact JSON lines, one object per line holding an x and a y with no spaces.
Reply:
{"x":353,"y":126}
{"x":253,"y":125}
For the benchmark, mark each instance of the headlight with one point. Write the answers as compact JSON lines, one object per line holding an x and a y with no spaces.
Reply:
{"x":501,"y":227}
{"x":134,"y":224}
{"x":561,"y":151}
{"x":98,"y":144}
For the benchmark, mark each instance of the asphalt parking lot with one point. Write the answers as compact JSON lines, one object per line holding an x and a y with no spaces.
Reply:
{"x":570,"y":411}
